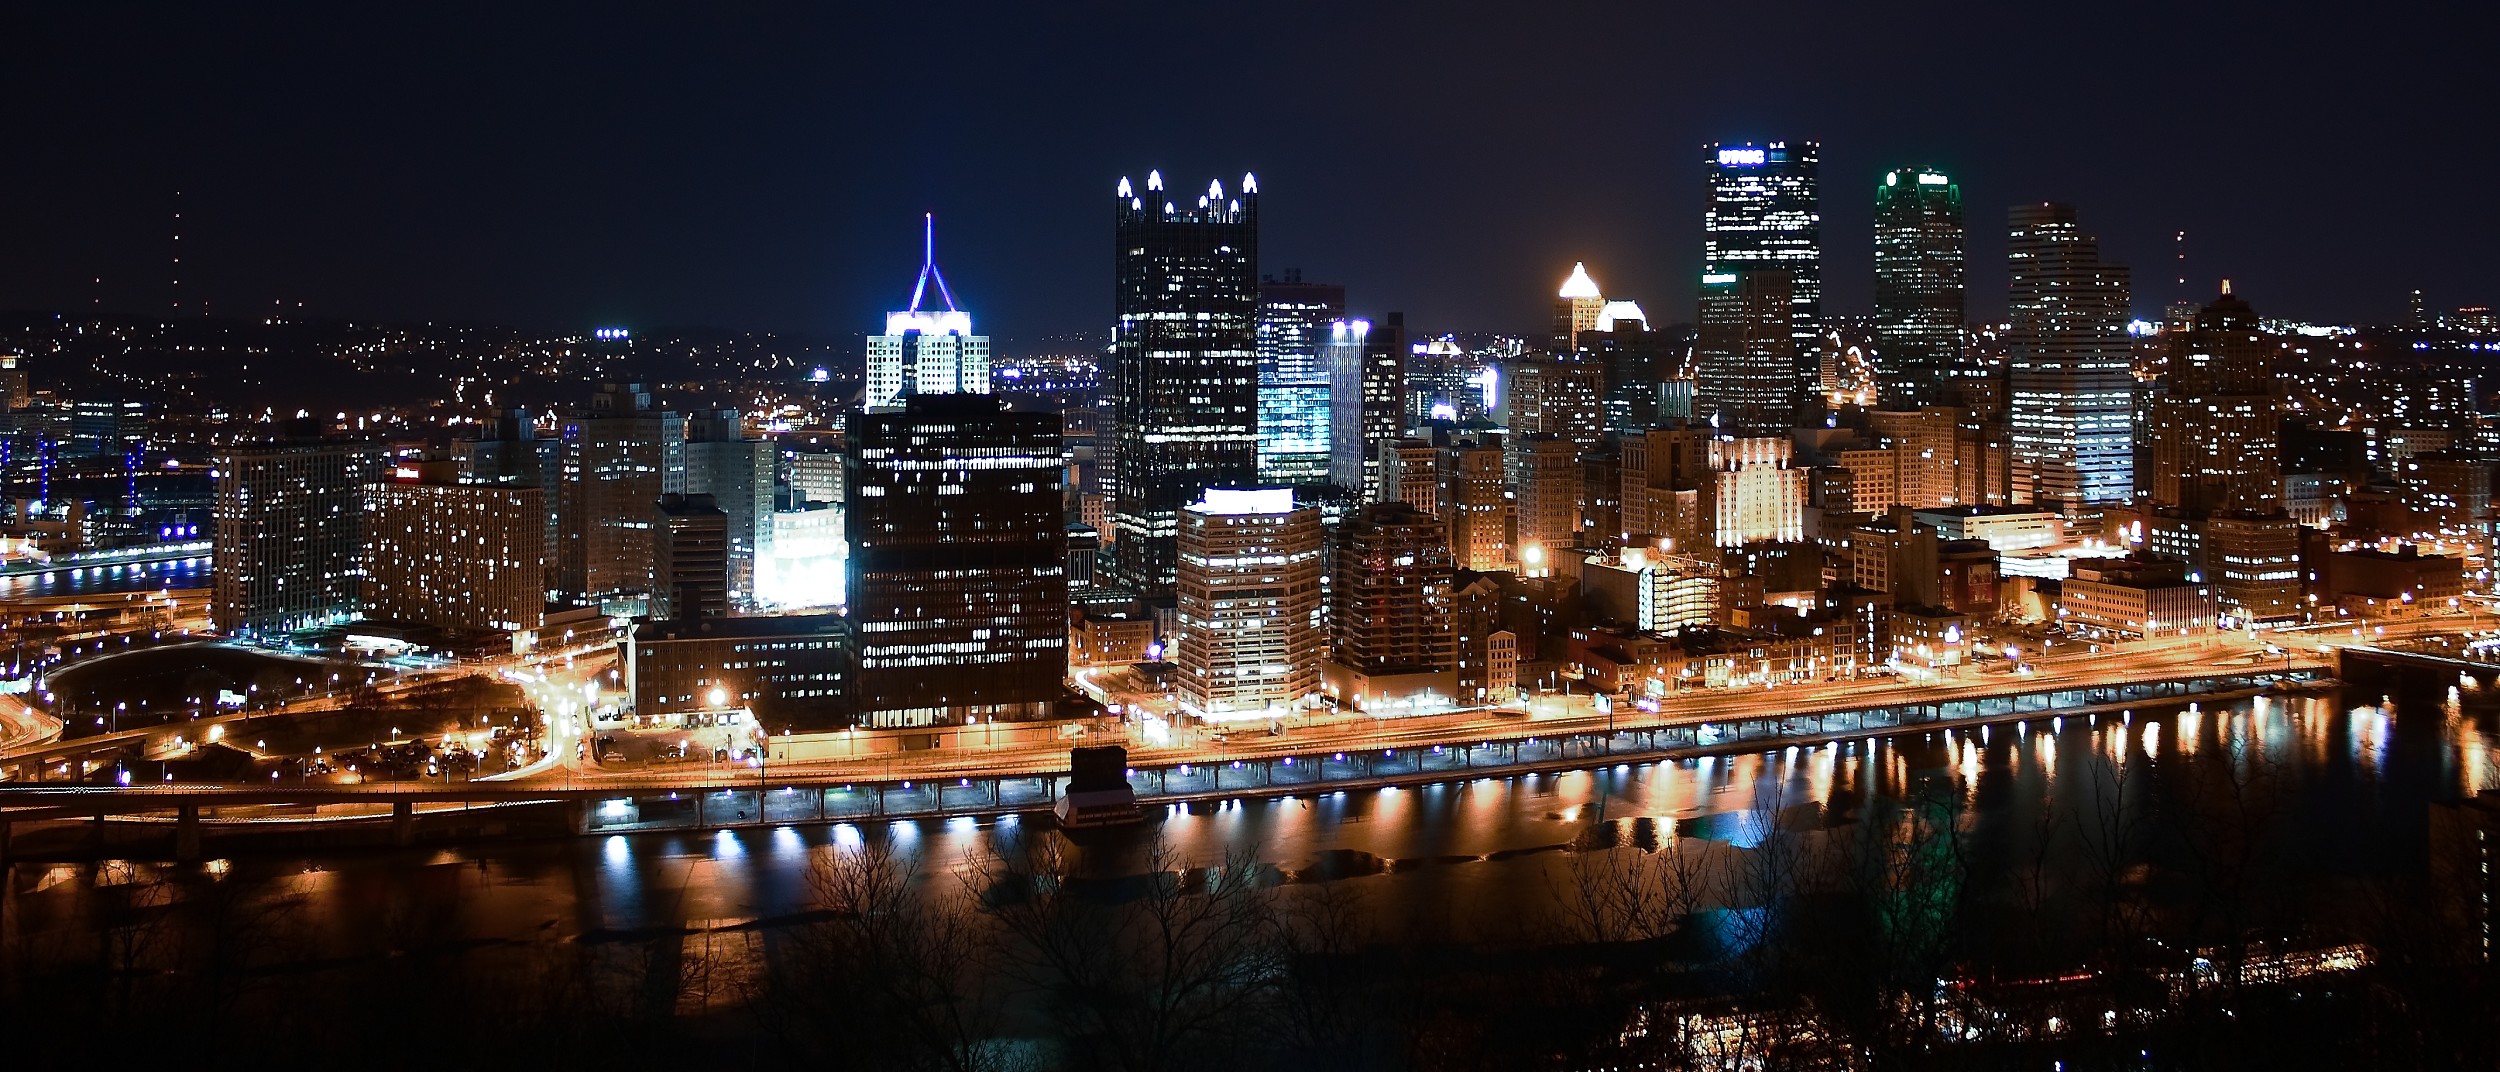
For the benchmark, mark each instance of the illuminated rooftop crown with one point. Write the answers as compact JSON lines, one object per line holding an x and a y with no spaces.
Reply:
{"x":951,"y":322}
{"x":1212,"y":206}
{"x":1579,"y":286}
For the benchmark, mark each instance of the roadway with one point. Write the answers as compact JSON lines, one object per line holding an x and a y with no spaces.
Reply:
{"x":567,"y":687}
{"x":1557,"y":714}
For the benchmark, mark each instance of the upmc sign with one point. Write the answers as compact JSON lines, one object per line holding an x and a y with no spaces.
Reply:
{"x":1740,"y":157}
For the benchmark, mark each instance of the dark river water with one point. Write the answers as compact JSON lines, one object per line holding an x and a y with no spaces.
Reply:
{"x":2347,"y":784}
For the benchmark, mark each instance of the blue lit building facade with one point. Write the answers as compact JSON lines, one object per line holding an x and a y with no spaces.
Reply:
{"x":1293,"y":383}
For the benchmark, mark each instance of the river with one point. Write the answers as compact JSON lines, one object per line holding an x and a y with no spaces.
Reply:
{"x":2354,"y":781}
{"x":2345,"y":788}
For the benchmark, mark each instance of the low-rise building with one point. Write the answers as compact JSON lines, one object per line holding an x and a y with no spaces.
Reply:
{"x":2006,"y":528}
{"x":2370,"y":582}
{"x":1931,"y":637}
{"x":790,"y":671}
{"x":2137,"y":597}
{"x":1104,"y":637}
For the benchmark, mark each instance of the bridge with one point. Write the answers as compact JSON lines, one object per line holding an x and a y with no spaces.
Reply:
{"x":703,"y":801}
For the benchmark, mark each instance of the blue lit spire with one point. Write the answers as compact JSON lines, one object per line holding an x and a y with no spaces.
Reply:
{"x":929,"y":268}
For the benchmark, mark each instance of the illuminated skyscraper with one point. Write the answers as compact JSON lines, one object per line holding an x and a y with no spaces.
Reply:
{"x":2214,"y":433}
{"x":1367,"y":389}
{"x":1185,"y":363}
{"x":1918,"y":288}
{"x":1293,"y":382}
{"x":958,"y":564}
{"x":926,"y":352}
{"x":1248,"y":608}
{"x":1763,"y":215}
{"x":1475,"y":503}
{"x":1744,"y":376}
{"x":2070,"y":372}
{"x":1576,"y":307}
{"x":460,"y":556}
{"x":289,"y":532}
{"x":1550,"y":491}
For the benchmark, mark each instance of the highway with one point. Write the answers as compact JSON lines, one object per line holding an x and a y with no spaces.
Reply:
{"x":566,"y":686}
{"x":1546,"y":714}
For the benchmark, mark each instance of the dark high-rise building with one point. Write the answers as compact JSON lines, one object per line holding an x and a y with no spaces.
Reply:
{"x":1763,"y":215}
{"x":288,"y":536}
{"x":1367,"y":399}
{"x":1392,"y":621}
{"x":1185,"y":362}
{"x":1561,"y":394}
{"x":622,"y":458}
{"x":1919,"y":292}
{"x":690,"y":558}
{"x":2070,"y":364}
{"x":1442,"y":383}
{"x":1636,"y":361}
{"x":1293,"y":382}
{"x":958,"y":568}
{"x":737,"y":472}
{"x":1744,"y":361}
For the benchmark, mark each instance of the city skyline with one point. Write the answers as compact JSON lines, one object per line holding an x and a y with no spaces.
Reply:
{"x":559,"y":236}
{"x":1850,"y":540}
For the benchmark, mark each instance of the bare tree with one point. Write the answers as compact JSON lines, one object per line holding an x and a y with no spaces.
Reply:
{"x":894,"y":974}
{"x":1177,"y":968}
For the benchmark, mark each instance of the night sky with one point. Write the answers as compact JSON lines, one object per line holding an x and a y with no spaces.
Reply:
{"x":746,"y":168}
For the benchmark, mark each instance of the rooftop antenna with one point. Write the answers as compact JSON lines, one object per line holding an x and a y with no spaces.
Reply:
{"x":2179,"y":261}
{"x":928,"y":266}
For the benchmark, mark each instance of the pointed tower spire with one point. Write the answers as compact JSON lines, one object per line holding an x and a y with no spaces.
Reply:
{"x":929,"y":268}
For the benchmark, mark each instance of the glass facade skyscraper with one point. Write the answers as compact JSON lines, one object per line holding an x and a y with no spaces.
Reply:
{"x":1293,"y":383}
{"x":2070,"y":368}
{"x":1185,"y":363}
{"x":1919,"y":290}
{"x":1764,"y":215}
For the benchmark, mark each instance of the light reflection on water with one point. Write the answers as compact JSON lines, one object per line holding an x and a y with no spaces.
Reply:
{"x":1482,"y":846}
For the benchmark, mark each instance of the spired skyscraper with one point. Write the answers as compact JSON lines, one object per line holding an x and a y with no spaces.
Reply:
{"x":1919,"y":291}
{"x":926,"y":353}
{"x":1764,"y":215}
{"x":1185,"y":363}
{"x":2070,"y":368}
{"x":1293,"y":381}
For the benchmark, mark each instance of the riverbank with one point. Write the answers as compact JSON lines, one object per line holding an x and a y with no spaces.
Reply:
{"x":574,"y":813}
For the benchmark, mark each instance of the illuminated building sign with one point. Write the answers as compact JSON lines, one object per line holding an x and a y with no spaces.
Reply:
{"x":1741,"y":157}
{"x":611,"y":334}
{"x":1713,"y":279}
{"x":1933,"y":180}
